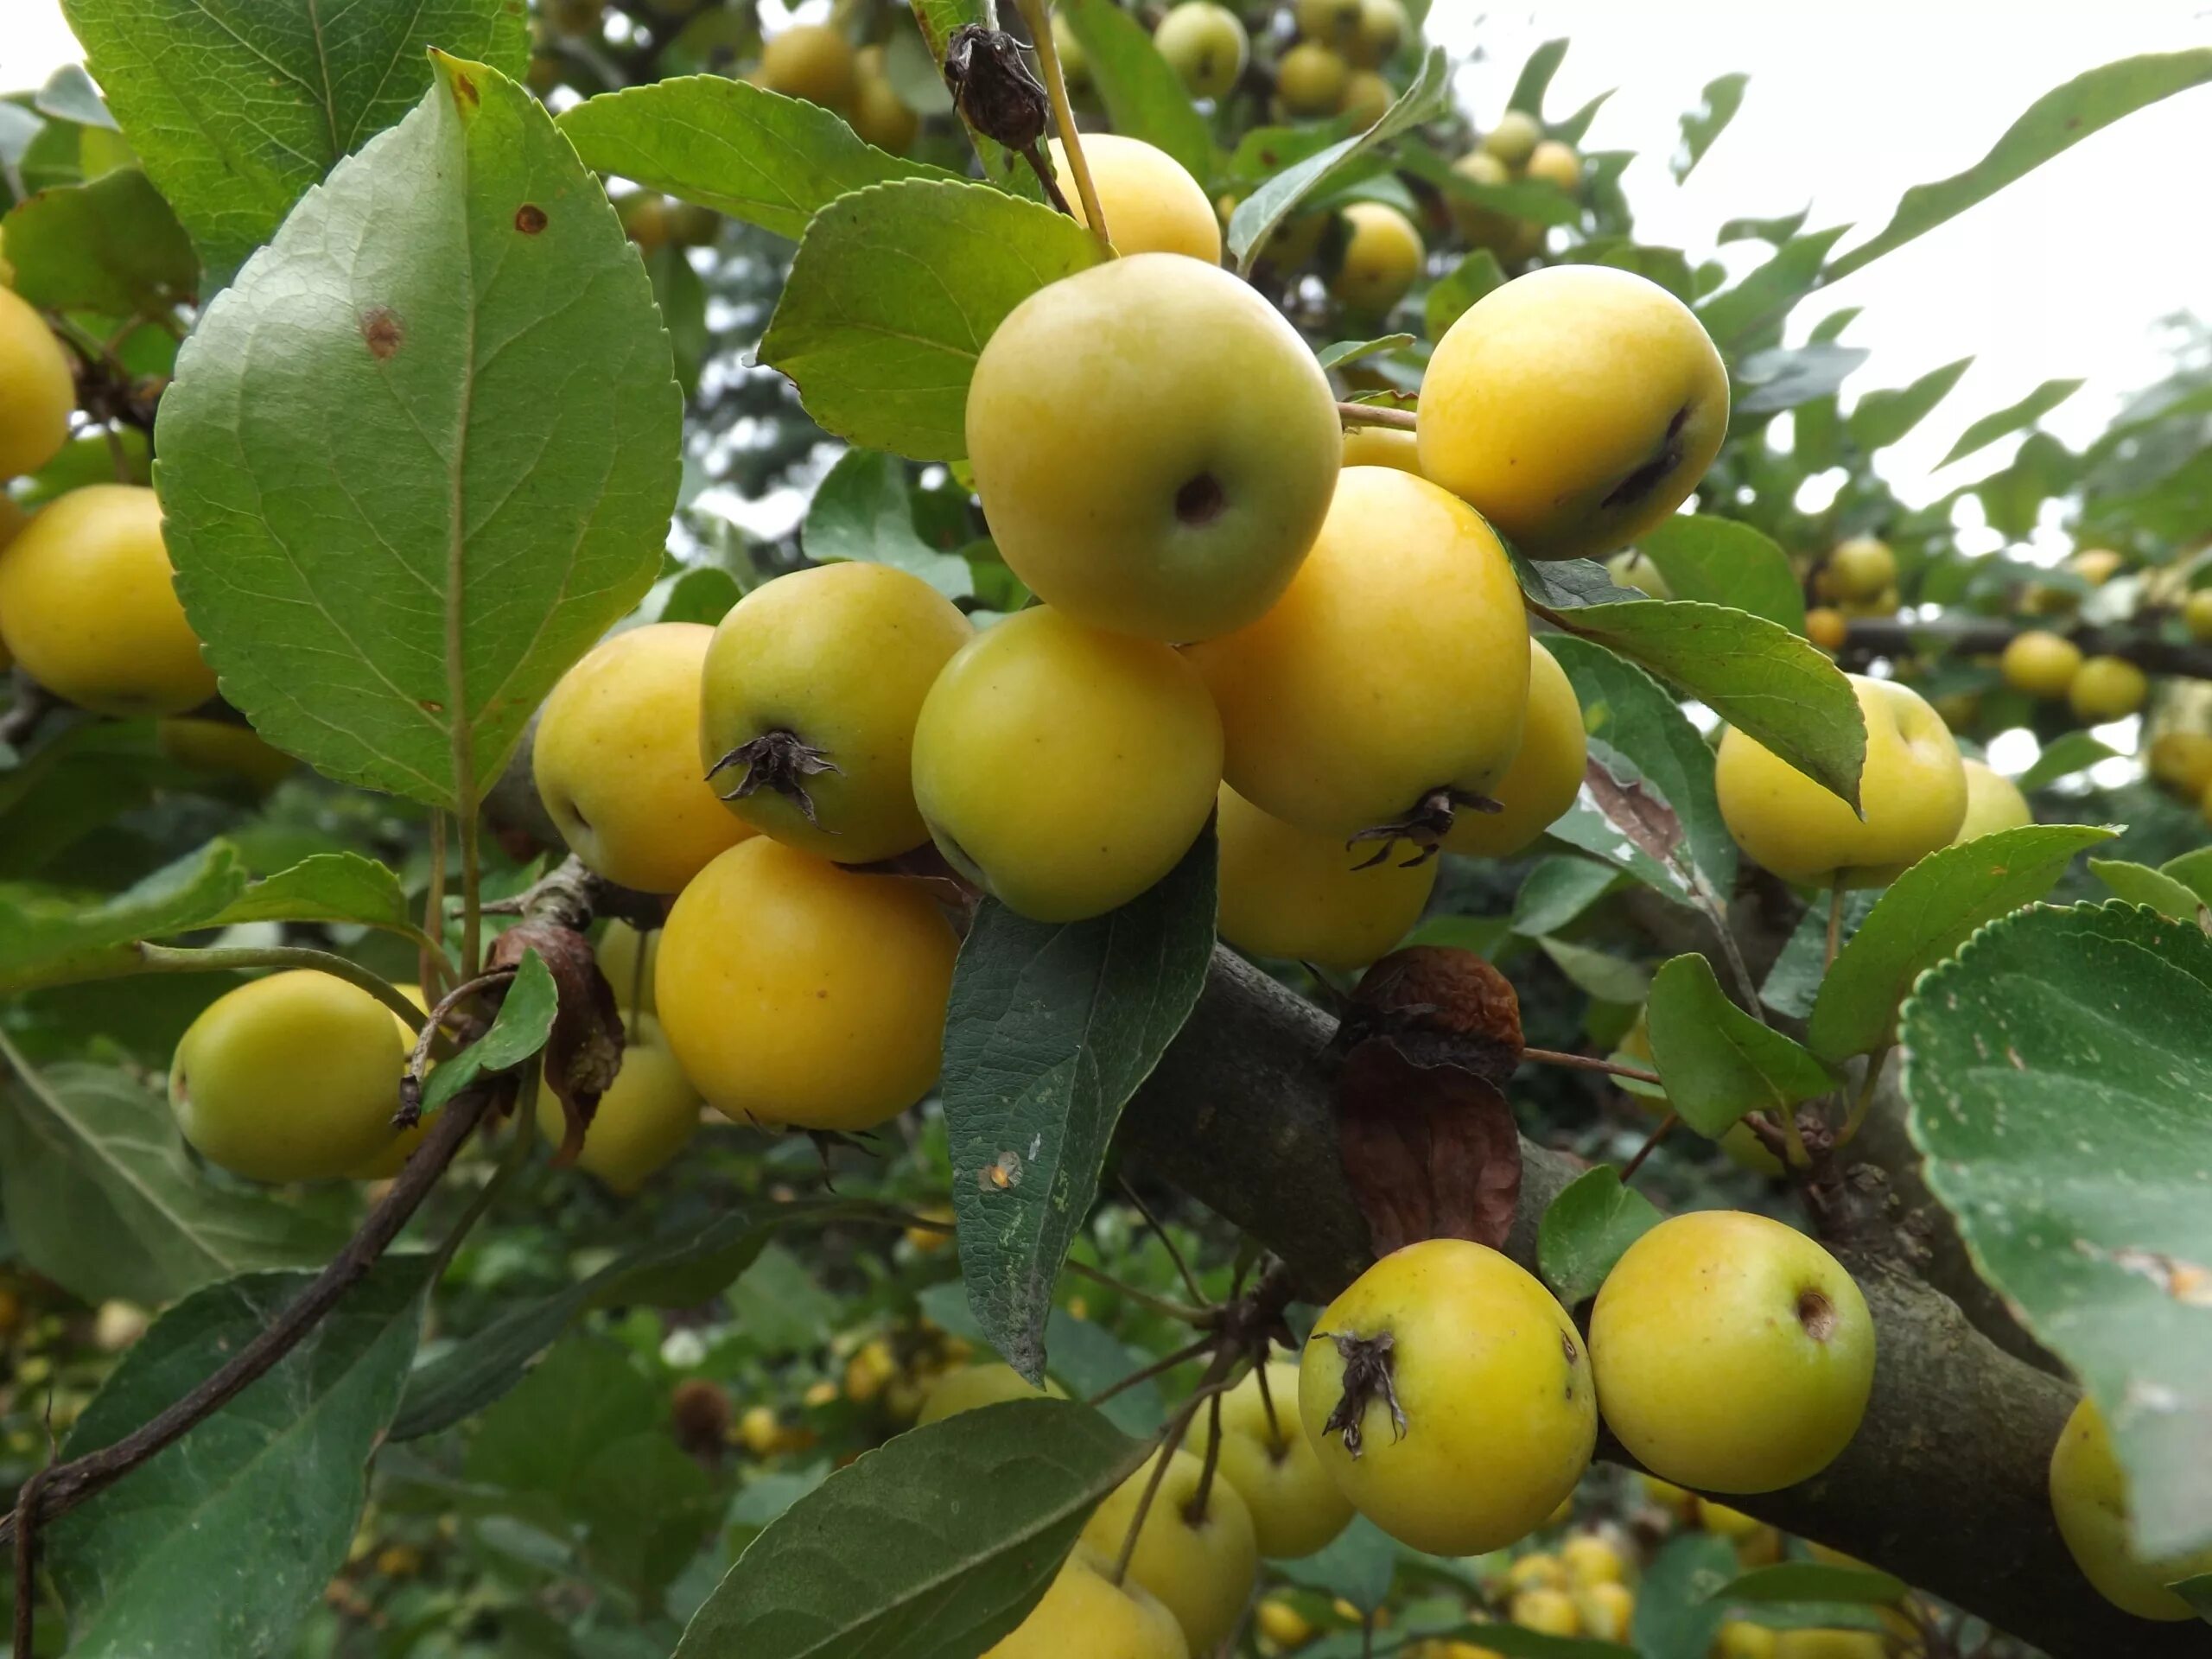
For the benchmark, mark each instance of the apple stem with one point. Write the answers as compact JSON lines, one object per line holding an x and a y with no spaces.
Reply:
{"x":1215,"y":1380}
{"x":1666,"y":1127}
{"x":1404,"y":420}
{"x":1038,"y":15}
{"x":1195,"y":1511}
{"x":1864,"y":1104}
{"x":1801,"y":1157}
{"x":1590,"y":1063}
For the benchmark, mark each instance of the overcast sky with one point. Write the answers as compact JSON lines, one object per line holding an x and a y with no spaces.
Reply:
{"x":2066,"y":274}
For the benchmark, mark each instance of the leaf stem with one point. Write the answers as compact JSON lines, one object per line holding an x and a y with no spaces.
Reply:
{"x":1590,"y":1063}
{"x":1195,"y":1511}
{"x":1144,"y":1374}
{"x":1666,"y":1128}
{"x":472,"y":897}
{"x":1861,"y":1106}
{"x":180,"y":959}
{"x":1799,"y":1157}
{"x":1190,"y":1278}
{"x":1162,"y":1304}
{"x":434,"y":966}
{"x":1404,"y":420}
{"x":1038,"y":15}
{"x":1214,"y":1380}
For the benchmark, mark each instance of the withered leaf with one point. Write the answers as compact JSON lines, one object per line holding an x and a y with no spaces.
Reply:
{"x":584,"y":1050}
{"x":1432,"y":1151}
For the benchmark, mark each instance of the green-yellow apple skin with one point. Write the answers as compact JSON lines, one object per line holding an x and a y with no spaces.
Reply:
{"x":1382,"y":259}
{"x":1295,"y":1507}
{"x":1994,"y":803}
{"x":1514,"y":139}
{"x":1574,"y":408}
{"x":1289,"y":892}
{"x":1203,"y":1569}
{"x":1130,"y":494}
{"x":1732,"y":1354}
{"x":1860,"y":569}
{"x":1085,"y":1615}
{"x":1207,"y":47}
{"x":646,"y":1116}
{"x":1149,"y":200}
{"x":41,"y":389}
{"x":1310,"y":80}
{"x":1913,"y":787}
{"x":1557,"y":164}
{"x":1546,"y":775}
{"x":294,"y":1078}
{"x":2107,"y":688}
{"x":975,"y":1386}
{"x":2088,"y":1499}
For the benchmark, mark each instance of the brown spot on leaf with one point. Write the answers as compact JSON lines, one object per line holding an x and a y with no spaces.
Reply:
{"x":584,"y":1050}
{"x":464,"y":90}
{"x":529,"y":219}
{"x":382,"y":330}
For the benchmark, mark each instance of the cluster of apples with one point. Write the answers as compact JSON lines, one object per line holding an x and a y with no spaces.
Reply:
{"x":1333,"y":68}
{"x":1447,"y":1396}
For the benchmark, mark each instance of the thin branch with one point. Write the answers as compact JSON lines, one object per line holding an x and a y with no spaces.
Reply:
{"x":1190,"y":1278}
{"x":435,"y":971}
{"x":1214,"y":1380}
{"x":1189,"y":1351}
{"x":1739,"y":970}
{"x":1195,"y":1510}
{"x":472,"y":896}
{"x":1589,"y":1063}
{"x":179,"y":959}
{"x":1037,"y":15}
{"x":1404,"y":420}
{"x":70,"y":1483}
{"x":1861,"y":1106}
{"x":1666,"y":1127}
{"x":1162,"y":1304}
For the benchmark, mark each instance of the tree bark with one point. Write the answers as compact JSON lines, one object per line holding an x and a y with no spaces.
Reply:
{"x":1945,"y":1484}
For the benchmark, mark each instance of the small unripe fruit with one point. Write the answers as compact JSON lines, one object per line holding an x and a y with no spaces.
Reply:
{"x":1201,"y":1566}
{"x":1546,"y":775}
{"x":1637,"y":570}
{"x":1827,"y":629}
{"x":1151,"y":204}
{"x":647,"y":1116}
{"x":1574,"y":408}
{"x":224,"y":746}
{"x":1310,"y":80}
{"x":627,"y":958}
{"x":1281,"y":1623}
{"x":1074,"y":63}
{"x":810,"y":60}
{"x":1335,"y":21}
{"x":1207,"y":47}
{"x":37,"y":389}
{"x":1859,"y":569}
{"x":2040,"y":664}
{"x":2107,"y":688}
{"x":1383,"y":258}
{"x":1514,"y":138}
{"x":975,"y":1386}
{"x":1295,"y":1508}
{"x":616,"y":757}
{"x":1739,"y":1640}
{"x":880,"y":115}
{"x":1548,"y":1611}
{"x":1732,"y":1353}
{"x":793,"y":992}
{"x":1994,"y":803}
{"x":2182,"y":761}
{"x":1484,"y":227}
{"x":1607,"y":1610}
{"x":1538,"y":1570}
{"x":2196,"y":614}
{"x":1382,"y":29}
{"x":1289,"y":892}
{"x":2097,"y":565}
{"x":1367,"y":96}
{"x":88,"y":605}
{"x":2088,"y":1498}
{"x":294,"y":1078}
{"x":1590,"y":1559}
{"x":1557,"y":164}
{"x":1064,"y":769}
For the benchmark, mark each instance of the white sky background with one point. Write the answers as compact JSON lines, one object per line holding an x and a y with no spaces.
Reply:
{"x":2065,"y":274}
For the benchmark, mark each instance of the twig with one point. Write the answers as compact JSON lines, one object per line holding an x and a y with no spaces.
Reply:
{"x":70,"y":1483}
{"x":1189,"y":1280}
{"x":1666,"y":1127}
{"x":1405,"y":420}
{"x":28,"y":1504}
{"x":1037,"y":15}
{"x":1189,"y":1351}
{"x":418,"y":1060}
{"x":1195,"y":1510}
{"x":525,"y":1134}
{"x":472,"y":895}
{"x":1589,"y":1063}
{"x":1860,"y":1107}
{"x":177,"y":959}
{"x":1212,"y":1383}
{"x":433,"y":967}
{"x":1163,"y":1305}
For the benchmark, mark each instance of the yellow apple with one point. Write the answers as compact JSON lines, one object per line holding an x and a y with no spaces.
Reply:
{"x":2040,"y":663}
{"x":1557,"y":164}
{"x":975,"y":1386}
{"x":1636,"y":570}
{"x":1732,"y":1354}
{"x":2107,"y":688}
{"x":1829,"y":629}
{"x":810,"y":60}
{"x":1860,"y":569}
{"x":1737,"y":1640}
{"x":88,"y":605}
{"x":2182,"y":761}
{"x":1588,"y":1560}
{"x":1574,"y":408}
{"x":1485,"y":227}
{"x":1295,"y":1508}
{"x":1085,"y":1615}
{"x":616,"y":757}
{"x":1310,"y":80}
{"x":646,"y":1116}
{"x":1200,"y":1565}
{"x":1381,"y":446}
{"x":1606,"y":1608}
{"x":1548,"y":1611}
{"x":40,"y":388}
{"x":2196,"y":614}
{"x":1913,"y":788}
{"x":1994,"y":803}
{"x":2097,"y":565}
{"x":1382,"y":29}
{"x":1546,"y":775}
{"x":627,"y":958}
{"x":1289,"y":892}
{"x":879,"y":115}
{"x":1207,"y":47}
{"x":2088,"y":1497}
{"x":1514,"y":137}
{"x":224,"y":746}
{"x":1126,"y":491}
{"x":1382,"y":259}
{"x":1151,"y":203}
{"x":1367,"y":96}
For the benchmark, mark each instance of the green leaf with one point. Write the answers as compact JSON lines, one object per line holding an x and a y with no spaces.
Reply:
{"x":2012,"y":418}
{"x":325,"y":887}
{"x":2064,"y":755}
{"x":1927,"y":913}
{"x":1535,"y":77}
{"x":1350,"y":350}
{"x":757,"y":155}
{"x":864,"y":510}
{"x":1755,"y":307}
{"x":1144,"y":95}
{"x":1794,"y":979}
{"x":101,"y":1198}
{"x":1556,"y":891}
{"x":1675,"y":1618}
{"x":1426,"y":98}
{"x":1776,"y":231}
{"x":874,"y":1560}
{"x":2193,"y":871}
{"x":235,"y":113}
{"x":1701,"y":127}
{"x":1755,"y":674}
{"x":1626,"y":709}
{"x":519,"y":1031}
{"x":2054,"y":122}
{"x":1455,"y":293}
{"x":1880,"y":418}
{"x":538,"y":1440}
{"x":1356,"y":1566}
{"x":647,"y":1508}
{"x":1089,"y":1359}
{"x":1607,"y":977}
{"x":1788,"y":378}
{"x":423,"y":453}
{"x":2198,"y":1592}
{"x":2054,"y":1031}
{"x":1726,"y":561}
{"x":704,"y":594}
{"x":276,"y":1479}
{"x":1718,"y":1062}
{"x":111,"y":246}
{"x":2138,"y":884}
{"x":1050,"y":1029}
{"x":1588,"y":1228}
{"x":893,"y":294}
{"x":49,"y":939}
{"x":69,"y":95}
{"x":1786,"y":1581}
